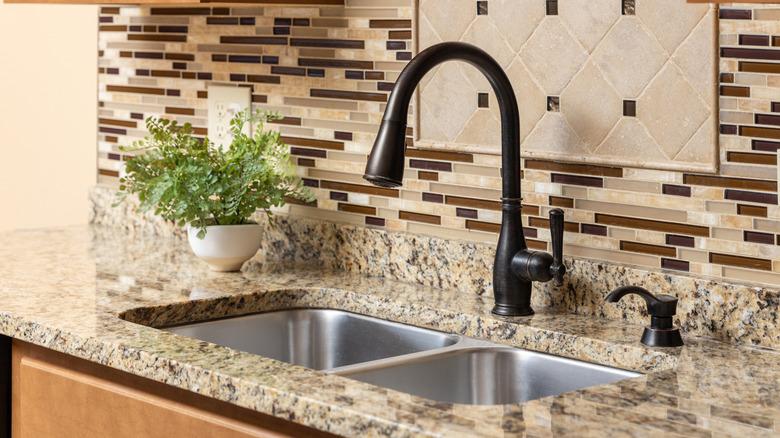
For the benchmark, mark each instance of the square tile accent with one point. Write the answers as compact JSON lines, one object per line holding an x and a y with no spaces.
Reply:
{"x":553,"y":103}
{"x":629,"y":108}
{"x":482,"y":7}
{"x":483,"y":100}
{"x":552,"y":7}
{"x":595,"y":55}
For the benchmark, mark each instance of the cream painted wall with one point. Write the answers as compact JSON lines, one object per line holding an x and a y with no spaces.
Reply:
{"x":48,"y":95}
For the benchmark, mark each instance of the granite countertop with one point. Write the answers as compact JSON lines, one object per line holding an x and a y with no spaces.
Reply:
{"x":65,"y":288}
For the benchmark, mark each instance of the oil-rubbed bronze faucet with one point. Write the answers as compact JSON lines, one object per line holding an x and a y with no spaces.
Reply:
{"x":516,"y":267}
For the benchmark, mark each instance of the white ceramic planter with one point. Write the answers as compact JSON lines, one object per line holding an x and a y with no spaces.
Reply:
{"x":226,"y":247}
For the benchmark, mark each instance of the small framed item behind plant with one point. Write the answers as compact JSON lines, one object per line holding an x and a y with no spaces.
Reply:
{"x":210,"y":190}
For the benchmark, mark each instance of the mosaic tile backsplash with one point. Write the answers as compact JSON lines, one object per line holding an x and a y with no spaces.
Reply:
{"x":596,"y":82}
{"x":328,"y":67}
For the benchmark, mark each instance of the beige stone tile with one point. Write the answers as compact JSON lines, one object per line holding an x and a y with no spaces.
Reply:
{"x":671,"y":110}
{"x":629,"y":56}
{"x":589,"y":20}
{"x":553,"y":73}
{"x":591,"y":122}
{"x":449,"y":19}
{"x":516,"y":19}
{"x":671,"y":28}
{"x":530,"y":97}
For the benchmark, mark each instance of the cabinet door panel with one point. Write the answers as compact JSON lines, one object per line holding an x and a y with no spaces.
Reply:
{"x":56,"y":399}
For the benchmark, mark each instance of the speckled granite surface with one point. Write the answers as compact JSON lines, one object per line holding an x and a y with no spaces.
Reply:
{"x":735,"y":313}
{"x":63,"y":289}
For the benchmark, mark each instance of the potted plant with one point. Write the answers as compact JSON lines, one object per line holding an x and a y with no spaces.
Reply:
{"x":213,"y":191}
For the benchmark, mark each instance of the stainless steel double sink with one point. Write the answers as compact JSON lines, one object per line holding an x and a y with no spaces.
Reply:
{"x":438,"y":366}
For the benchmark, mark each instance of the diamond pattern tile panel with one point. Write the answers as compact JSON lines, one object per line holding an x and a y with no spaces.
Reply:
{"x":590,"y":58}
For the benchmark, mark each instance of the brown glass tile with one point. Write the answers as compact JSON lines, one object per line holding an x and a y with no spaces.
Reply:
{"x":754,"y":40}
{"x":439,"y":155}
{"x":359,"y":188}
{"x":182,"y":111}
{"x":577,"y":180}
{"x":348,"y":95}
{"x":759,"y":67}
{"x":316,"y":153}
{"x":647,"y":248}
{"x":287,"y":120}
{"x":647,"y":224}
{"x":117,"y":122}
{"x":107,"y":130}
{"x":263,"y":79}
{"x":109,"y":10}
{"x":419,"y":217}
{"x":340,"y":135}
{"x":540,"y":222}
{"x":728,"y":182}
{"x":306,"y":162}
{"x":180,"y":56}
{"x":743,"y":262}
{"x":157,"y":37}
{"x":731,"y":90}
{"x":327,"y":42}
{"x":375,"y":75}
{"x":376,"y":221}
{"x":222,"y":20}
{"x":728,"y":129}
{"x":744,"y":53}
{"x":254,"y":40}
{"x":751,"y":210}
{"x":557,"y":201}
{"x":113,"y":28}
{"x":767,"y":119}
{"x":596,"y":230}
{"x":339,"y":196}
{"x":111,"y":139}
{"x":106,"y":172}
{"x":757,"y":237}
{"x":675,"y":190}
{"x":743,"y":195}
{"x":677,"y":265}
{"x":466,"y":212}
{"x":427,"y":176}
{"x":430,"y":165}
{"x":727,"y":78}
{"x":775,"y":107}
{"x":585,"y":169}
{"x":483,"y":100}
{"x":312,"y":143}
{"x":675,"y":240}
{"x":139,"y":90}
{"x":747,"y":157}
{"x":360,"y":209}
{"x":736,"y":14}
{"x":488,"y":227}
{"x":400,"y":34}
{"x":202,"y":94}
{"x":433,"y":197}
{"x":390,"y":24}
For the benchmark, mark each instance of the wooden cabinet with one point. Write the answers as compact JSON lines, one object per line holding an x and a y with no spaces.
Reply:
{"x":55,"y":395}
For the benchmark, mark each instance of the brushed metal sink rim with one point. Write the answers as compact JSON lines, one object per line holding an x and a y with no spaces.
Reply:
{"x":412,"y":360}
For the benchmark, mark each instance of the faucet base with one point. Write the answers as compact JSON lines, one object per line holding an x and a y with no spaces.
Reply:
{"x":502,"y":310}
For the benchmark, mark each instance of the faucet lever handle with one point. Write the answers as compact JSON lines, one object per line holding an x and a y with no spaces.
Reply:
{"x":557,"y":269}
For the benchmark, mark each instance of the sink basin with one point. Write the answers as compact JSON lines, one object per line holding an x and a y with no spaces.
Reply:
{"x":317,"y":338}
{"x":489,"y":376}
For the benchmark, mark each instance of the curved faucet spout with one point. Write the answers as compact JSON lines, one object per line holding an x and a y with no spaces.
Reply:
{"x":385,"y":164}
{"x":515,"y":266}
